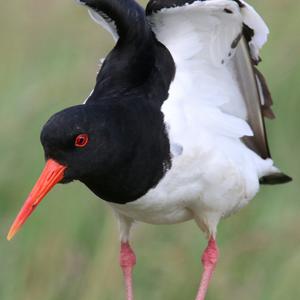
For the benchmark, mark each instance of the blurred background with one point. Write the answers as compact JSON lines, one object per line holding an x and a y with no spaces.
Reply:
{"x":49,"y":54}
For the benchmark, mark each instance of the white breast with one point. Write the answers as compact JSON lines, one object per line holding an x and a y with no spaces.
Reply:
{"x":201,"y":184}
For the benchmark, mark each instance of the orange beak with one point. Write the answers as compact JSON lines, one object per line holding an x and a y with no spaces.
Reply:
{"x":51,"y":175}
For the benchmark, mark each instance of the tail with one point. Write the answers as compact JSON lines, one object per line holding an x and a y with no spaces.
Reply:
{"x":276,"y":178}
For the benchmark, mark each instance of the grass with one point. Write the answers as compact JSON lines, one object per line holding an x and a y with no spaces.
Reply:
{"x":69,"y":248}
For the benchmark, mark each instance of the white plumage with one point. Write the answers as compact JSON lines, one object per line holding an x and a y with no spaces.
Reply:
{"x":252,"y":19}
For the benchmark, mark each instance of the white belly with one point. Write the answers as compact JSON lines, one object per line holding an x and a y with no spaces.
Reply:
{"x":201,"y":185}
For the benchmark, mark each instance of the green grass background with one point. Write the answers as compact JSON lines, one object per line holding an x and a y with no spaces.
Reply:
{"x":49,"y":53}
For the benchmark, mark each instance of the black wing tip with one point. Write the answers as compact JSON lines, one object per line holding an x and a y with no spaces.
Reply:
{"x":81,"y":2}
{"x":90,"y":3}
{"x":155,"y":6}
{"x":241,"y":4}
{"x":94,"y":4}
{"x":277,"y":178}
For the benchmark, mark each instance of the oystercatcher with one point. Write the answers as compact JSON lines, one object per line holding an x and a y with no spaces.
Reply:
{"x":174,"y":129}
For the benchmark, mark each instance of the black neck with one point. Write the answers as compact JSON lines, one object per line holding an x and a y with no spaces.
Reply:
{"x":139,"y":156}
{"x":133,"y":82}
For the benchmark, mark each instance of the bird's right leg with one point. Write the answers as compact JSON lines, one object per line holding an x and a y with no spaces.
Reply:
{"x":127,"y":255}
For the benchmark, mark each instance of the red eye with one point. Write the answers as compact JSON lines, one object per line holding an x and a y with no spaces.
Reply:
{"x":81,"y":140}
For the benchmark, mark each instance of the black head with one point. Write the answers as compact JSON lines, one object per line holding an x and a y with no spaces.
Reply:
{"x":78,"y":144}
{"x":80,"y":138}
{"x":118,"y":150}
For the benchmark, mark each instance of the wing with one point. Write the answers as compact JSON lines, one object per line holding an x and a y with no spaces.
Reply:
{"x":254,"y":28}
{"x":132,"y":63}
{"x":102,"y":16}
{"x":215,"y":45}
{"x":257,"y":99}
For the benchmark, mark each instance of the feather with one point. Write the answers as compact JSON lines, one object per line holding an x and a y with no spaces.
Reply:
{"x":217,"y":97}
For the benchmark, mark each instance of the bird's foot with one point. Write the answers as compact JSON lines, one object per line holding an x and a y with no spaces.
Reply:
{"x":127,"y":262}
{"x":209,"y":261}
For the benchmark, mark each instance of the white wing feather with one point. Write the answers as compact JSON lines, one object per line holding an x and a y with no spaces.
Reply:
{"x":206,"y":109}
{"x":103,"y":20}
{"x":261,"y":31}
{"x":107,"y":24}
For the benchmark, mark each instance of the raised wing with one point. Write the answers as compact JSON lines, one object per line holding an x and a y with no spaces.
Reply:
{"x":254,"y":28}
{"x":106,"y":22}
{"x":103,"y":16}
{"x":126,"y":20}
{"x":257,"y":99}
{"x":138,"y":64}
{"x":217,"y":92}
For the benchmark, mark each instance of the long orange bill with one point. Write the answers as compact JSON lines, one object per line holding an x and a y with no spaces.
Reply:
{"x":51,"y":175}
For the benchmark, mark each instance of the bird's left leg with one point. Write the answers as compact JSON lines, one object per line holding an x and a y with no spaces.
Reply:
{"x":210,"y":255}
{"x":127,"y":256}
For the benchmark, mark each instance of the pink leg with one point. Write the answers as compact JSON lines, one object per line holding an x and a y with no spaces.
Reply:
{"x":209,"y":261}
{"x":127,"y":262}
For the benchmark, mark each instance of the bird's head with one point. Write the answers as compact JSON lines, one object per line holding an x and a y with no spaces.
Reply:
{"x":77,"y":144}
{"x":79,"y":139}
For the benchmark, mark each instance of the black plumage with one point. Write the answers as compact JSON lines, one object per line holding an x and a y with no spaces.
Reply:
{"x":129,"y":150}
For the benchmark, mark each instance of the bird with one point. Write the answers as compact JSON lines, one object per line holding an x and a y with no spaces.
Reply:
{"x":174,"y":129}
